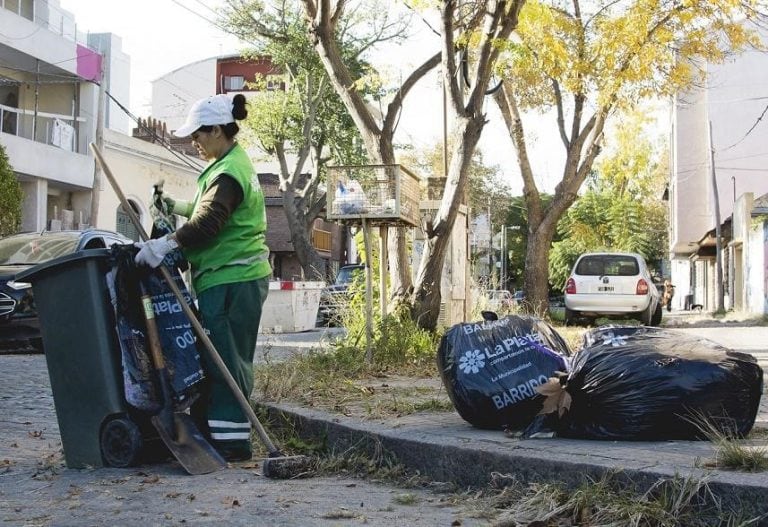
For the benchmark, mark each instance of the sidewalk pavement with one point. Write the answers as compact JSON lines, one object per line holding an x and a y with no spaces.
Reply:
{"x":443,"y":447}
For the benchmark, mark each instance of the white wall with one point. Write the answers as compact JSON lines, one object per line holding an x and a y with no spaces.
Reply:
{"x":138,"y":165}
{"x":46,"y":45}
{"x":755,"y":264}
{"x":732,"y":99}
{"x":174,"y":93}
{"x":680,"y":276}
{"x":118,"y":71}
{"x":689,"y":188}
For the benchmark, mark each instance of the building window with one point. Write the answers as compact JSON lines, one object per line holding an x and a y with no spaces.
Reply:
{"x":23,"y":8}
{"x":123,"y":222}
{"x":234,"y":82}
{"x":275,"y":83}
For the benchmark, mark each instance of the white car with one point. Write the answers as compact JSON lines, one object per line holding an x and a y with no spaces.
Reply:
{"x":612,"y":285}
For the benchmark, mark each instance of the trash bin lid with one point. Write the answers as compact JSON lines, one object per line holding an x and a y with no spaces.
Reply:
{"x":36,"y":272}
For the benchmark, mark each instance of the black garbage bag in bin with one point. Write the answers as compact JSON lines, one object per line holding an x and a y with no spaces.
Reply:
{"x":642,"y":383}
{"x":177,"y":339}
{"x":491,"y":369}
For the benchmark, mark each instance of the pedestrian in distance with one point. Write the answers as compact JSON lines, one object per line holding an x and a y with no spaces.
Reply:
{"x":225,"y":244}
{"x":669,"y":293}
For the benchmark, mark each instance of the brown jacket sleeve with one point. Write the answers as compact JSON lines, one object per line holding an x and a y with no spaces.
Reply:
{"x":216,"y":206}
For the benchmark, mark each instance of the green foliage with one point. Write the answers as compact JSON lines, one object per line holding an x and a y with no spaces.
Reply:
{"x":398,"y":342}
{"x":11,"y":197}
{"x":279,"y":118}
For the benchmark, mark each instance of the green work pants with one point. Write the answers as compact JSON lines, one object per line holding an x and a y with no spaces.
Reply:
{"x":231,"y":313}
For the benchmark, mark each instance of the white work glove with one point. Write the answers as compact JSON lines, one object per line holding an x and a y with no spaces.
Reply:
{"x":152,"y":252}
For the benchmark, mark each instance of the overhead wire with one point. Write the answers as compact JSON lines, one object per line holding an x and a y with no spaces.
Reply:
{"x":163,"y":142}
{"x":751,"y":129}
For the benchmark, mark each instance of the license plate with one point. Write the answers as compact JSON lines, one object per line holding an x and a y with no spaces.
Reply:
{"x":605,"y":288}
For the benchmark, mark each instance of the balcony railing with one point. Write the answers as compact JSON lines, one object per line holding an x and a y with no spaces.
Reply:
{"x":48,"y":128}
{"x":321,"y":240}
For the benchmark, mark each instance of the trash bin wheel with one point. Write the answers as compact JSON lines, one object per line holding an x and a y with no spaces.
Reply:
{"x":120,"y":442}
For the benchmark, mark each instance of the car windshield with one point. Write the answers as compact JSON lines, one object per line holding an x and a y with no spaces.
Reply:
{"x":608,"y":265}
{"x":36,"y":248}
{"x":347,"y":274}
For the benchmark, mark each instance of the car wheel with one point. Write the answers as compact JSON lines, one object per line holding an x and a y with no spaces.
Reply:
{"x":646,"y":317}
{"x":656,"y":318}
{"x":121,"y":442}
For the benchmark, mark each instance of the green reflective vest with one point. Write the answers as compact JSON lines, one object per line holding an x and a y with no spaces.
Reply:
{"x":239,"y":252}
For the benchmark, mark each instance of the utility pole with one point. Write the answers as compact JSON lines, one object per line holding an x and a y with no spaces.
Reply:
{"x":490,"y":246}
{"x":99,"y":140}
{"x":503,"y":284}
{"x":719,"y":297}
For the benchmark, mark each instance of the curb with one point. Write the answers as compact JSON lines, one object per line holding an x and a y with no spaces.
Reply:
{"x":442,"y":447}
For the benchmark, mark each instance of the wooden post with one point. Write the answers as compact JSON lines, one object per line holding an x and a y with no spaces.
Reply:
{"x":368,"y":293}
{"x":383,"y":265}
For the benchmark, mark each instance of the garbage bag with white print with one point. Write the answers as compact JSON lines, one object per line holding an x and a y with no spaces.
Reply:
{"x":491,"y":369}
{"x":175,"y":331}
{"x":643,"y":383}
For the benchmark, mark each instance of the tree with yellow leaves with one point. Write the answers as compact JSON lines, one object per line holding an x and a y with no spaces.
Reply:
{"x":584,"y":61}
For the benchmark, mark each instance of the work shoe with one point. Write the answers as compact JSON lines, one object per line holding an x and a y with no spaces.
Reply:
{"x":234,"y":450}
{"x":236,"y":455}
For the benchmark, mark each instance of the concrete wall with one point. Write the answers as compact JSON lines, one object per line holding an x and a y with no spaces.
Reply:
{"x":138,"y":165}
{"x":680,"y":274}
{"x":689,"y":190}
{"x":755,"y":288}
{"x":118,"y":81}
{"x":174,"y":93}
{"x":732,"y":99}
{"x":46,"y":45}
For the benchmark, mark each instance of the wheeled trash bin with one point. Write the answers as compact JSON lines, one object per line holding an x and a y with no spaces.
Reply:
{"x":83,"y":356}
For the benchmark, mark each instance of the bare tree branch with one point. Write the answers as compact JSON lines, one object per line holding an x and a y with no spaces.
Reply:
{"x":393,"y":109}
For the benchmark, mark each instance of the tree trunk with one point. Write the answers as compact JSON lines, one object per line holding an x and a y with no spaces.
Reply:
{"x":312,"y":265}
{"x":426,"y":294}
{"x":537,"y":267}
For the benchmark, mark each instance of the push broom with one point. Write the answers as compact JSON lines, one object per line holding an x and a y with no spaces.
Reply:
{"x":277,"y":465}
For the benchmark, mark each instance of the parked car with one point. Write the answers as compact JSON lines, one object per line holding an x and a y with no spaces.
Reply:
{"x":334,"y":297}
{"x":19,"y":326}
{"x":518,"y":298}
{"x":612,"y":285}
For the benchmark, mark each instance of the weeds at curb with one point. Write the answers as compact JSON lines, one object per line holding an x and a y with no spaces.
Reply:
{"x":730,"y":452}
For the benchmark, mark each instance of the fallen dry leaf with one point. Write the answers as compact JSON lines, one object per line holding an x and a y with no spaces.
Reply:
{"x":557,"y":399}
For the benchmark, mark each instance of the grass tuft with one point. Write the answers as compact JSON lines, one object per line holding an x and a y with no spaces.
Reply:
{"x":730,"y":451}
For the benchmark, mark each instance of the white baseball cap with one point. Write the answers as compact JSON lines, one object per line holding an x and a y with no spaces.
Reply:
{"x":213,"y":110}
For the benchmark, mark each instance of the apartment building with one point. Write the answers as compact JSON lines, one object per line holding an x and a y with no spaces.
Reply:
{"x":48,"y":106}
{"x":717,"y":128}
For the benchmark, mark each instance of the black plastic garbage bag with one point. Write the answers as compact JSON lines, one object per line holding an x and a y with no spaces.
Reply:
{"x":491,"y":369}
{"x":642,"y":383}
{"x":176,"y":335}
